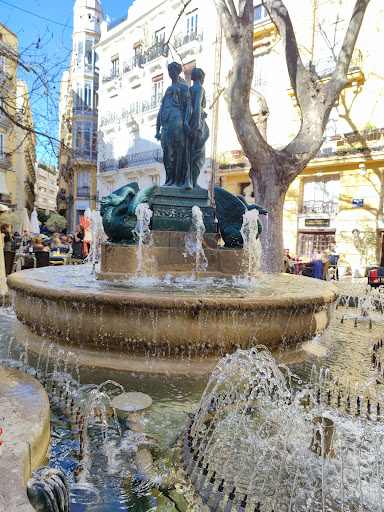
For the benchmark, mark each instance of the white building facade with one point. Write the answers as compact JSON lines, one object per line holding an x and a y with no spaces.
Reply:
{"x":134,"y":57}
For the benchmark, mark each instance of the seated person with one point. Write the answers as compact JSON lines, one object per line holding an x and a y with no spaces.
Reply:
{"x":335,"y":253}
{"x":313,"y":256}
{"x":37,"y":244}
{"x":288,"y":262}
{"x":55,"y":244}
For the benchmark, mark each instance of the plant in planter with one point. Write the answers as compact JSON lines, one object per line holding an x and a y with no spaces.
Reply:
{"x":365,"y":243}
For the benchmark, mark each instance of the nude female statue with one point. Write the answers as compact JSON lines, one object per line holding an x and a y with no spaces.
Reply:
{"x":172,"y":128}
{"x":199,"y":131}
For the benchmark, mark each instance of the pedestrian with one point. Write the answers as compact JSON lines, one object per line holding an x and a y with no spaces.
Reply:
{"x":78,"y":243}
{"x":6,"y":236}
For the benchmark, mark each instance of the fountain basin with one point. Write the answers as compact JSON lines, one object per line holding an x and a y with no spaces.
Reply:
{"x":206,"y":316}
{"x":166,"y":256}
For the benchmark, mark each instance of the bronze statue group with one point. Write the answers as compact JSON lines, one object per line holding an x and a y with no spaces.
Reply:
{"x":182,"y":129}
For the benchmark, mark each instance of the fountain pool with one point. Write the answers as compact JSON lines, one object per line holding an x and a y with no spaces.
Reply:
{"x":176,"y":317}
{"x":107,"y":482}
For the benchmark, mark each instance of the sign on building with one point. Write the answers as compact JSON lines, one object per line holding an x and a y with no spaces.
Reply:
{"x":357,"y":203}
{"x":323,"y":223}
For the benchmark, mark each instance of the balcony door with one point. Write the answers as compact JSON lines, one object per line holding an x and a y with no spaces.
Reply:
{"x":321,"y":194}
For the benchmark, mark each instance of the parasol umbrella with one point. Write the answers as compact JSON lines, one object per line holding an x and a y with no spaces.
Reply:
{"x":25,"y":225}
{"x":35,"y":224}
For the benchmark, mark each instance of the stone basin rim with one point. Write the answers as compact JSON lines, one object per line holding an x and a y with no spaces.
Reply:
{"x":26,"y":281}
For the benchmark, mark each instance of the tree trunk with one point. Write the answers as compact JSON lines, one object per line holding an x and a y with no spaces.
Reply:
{"x":270,"y":190}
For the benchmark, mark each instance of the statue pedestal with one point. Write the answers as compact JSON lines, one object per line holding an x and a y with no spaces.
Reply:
{"x":172,"y":209}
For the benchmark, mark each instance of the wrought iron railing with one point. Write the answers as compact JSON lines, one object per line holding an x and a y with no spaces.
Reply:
{"x":84,"y":111}
{"x":232,"y":159}
{"x":157,"y":50}
{"x":186,"y":37}
{"x":114,"y":73}
{"x":135,"y":62}
{"x":5,"y":159}
{"x":111,"y":117}
{"x":134,"y":160}
{"x":324,"y":67}
{"x":134,"y":109}
{"x":154,"y":102}
{"x":314,"y":206}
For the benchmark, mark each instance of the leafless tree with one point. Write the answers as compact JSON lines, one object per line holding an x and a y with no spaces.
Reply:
{"x":272,"y":170}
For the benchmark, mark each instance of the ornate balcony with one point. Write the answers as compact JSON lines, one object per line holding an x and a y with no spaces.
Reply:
{"x":134,"y":109}
{"x":324,"y":68}
{"x":114,"y":73}
{"x":84,"y":111}
{"x":186,"y":37}
{"x":157,"y":50}
{"x":330,"y":207}
{"x":134,"y":160}
{"x":135,"y":62}
{"x":232,"y":159}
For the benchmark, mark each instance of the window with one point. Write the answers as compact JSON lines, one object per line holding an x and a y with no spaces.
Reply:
{"x":88,"y":94}
{"x":88,"y":53}
{"x":42,"y":189}
{"x":2,"y":146}
{"x":80,"y":50}
{"x":3,"y":106}
{"x":51,"y":201}
{"x":42,"y":200}
{"x":321,"y":194}
{"x":192,"y":21}
{"x":160,"y":35}
{"x":3,"y":65}
{"x":83,"y":182}
{"x":115,"y":65}
{"x":260,"y":14}
{"x":157,"y":89}
{"x":154,"y":178}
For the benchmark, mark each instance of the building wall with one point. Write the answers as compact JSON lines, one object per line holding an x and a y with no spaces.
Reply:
{"x":8,"y":92}
{"x":46,"y":188}
{"x":131,"y":91}
{"x":78,"y":122}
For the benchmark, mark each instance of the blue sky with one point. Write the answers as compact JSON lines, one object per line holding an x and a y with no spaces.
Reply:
{"x":45,"y":44}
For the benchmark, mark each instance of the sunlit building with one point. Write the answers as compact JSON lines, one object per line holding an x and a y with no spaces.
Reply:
{"x":78,"y":116}
{"x":134,"y":57}
{"x":339,"y":196}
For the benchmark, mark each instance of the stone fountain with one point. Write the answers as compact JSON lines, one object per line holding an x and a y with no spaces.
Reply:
{"x":165,"y":284}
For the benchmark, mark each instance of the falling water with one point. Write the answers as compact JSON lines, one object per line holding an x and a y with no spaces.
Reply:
{"x":251,"y":243}
{"x":194,"y":242}
{"x":98,"y":237}
{"x":255,"y":429}
{"x":145,"y":240}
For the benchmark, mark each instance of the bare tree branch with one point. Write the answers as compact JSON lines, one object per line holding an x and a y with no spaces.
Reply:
{"x":339,"y":76}
{"x":177,"y":20}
